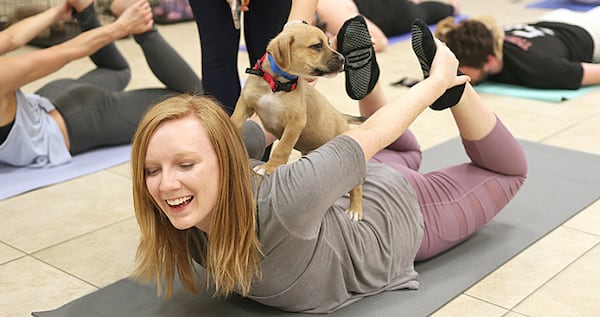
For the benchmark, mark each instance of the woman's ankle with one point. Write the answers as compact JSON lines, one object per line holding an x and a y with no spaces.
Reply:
{"x":80,"y":5}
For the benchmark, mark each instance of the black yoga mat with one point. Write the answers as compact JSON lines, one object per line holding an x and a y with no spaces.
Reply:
{"x":560,"y":184}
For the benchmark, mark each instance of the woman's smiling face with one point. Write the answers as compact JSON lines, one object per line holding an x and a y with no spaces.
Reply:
{"x":182,"y":172}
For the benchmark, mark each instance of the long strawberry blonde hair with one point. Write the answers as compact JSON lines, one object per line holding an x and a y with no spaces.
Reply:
{"x":232,"y":249}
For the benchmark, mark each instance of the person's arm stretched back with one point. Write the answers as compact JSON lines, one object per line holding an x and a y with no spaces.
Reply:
{"x":390,"y":121}
{"x":23,"y":69}
{"x":21,"y":32}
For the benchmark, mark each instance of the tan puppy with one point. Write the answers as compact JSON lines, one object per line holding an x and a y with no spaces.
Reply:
{"x":300,"y":117}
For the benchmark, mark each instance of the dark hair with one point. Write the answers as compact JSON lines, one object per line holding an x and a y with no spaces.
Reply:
{"x":471,"y":41}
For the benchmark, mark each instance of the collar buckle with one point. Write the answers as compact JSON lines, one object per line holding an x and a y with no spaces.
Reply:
{"x":275,"y":85}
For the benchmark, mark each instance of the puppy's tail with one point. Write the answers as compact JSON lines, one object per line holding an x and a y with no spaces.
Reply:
{"x":355,"y":119}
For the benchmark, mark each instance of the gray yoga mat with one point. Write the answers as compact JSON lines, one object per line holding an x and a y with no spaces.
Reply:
{"x":560,"y":184}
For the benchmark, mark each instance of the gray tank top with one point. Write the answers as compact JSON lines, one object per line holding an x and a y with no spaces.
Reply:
{"x":35,"y":140}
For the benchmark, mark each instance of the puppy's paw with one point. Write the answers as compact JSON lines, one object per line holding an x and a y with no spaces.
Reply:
{"x":265,"y":169}
{"x":355,"y":215}
{"x":259,"y":170}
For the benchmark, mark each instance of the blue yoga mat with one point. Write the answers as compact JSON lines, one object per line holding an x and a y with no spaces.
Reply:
{"x":550,"y":95}
{"x":18,"y":180}
{"x":557,"y":4}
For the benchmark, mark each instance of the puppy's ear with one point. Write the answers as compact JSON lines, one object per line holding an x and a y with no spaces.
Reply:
{"x":281,"y":50}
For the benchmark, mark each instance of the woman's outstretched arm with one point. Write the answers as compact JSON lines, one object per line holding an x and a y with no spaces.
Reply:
{"x":20,"y":70}
{"x":390,"y":121}
{"x":23,"y":31}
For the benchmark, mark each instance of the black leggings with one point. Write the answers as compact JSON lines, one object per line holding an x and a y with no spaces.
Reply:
{"x":395,"y":17}
{"x":220,"y":42}
{"x":96,"y":110}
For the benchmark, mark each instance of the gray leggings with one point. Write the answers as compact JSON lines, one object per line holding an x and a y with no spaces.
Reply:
{"x":458,"y":200}
{"x":96,"y":110}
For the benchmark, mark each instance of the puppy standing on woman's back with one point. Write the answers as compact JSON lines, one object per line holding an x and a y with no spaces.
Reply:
{"x":288,"y":106}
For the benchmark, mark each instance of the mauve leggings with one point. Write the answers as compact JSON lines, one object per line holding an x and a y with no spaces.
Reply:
{"x":457,"y":201}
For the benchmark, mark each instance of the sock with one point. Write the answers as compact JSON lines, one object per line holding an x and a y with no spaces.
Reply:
{"x":424,"y":47}
{"x":361,"y":68}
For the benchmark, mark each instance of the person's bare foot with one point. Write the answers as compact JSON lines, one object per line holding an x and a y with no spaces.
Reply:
{"x":136,"y":17}
{"x":80,"y":5}
{"x":118,"y":6}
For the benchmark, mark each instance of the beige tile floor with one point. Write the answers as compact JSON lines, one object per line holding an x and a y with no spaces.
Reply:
{"x":63,"y":241}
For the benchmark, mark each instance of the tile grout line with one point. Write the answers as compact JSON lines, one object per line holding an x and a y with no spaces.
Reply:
{"x":510,"y":309}
{"x":490,"y":303}
{"x":32,"y":254}
{"x":81,"y":235}
{"x":66,"y":272}
{"x":553,"y":277}
{"x":572,"y":125}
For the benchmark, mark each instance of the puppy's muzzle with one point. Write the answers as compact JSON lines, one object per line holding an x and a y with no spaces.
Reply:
{"x":336,"y":63}
{"x":333,"y":66}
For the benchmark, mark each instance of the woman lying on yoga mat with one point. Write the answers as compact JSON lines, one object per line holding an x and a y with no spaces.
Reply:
{"x":69,"y":116}
{"x":558,"y":51}
{"x":284,"y":239}
{"x":385,"y":18}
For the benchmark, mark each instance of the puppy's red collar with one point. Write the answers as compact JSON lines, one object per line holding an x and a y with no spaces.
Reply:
{"x":275,"y":85}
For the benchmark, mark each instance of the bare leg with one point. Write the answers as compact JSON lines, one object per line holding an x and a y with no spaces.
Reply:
{"x":473,"y":118}
{"x":373,"y":101}
{"x":80,"y":5}
{"x":333,"y":13}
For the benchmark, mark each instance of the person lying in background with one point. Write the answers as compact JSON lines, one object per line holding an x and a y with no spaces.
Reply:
{"x":557,"y":51}
{"x":385,"y":18}
{"x":66,"y":117}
